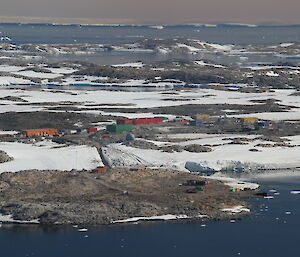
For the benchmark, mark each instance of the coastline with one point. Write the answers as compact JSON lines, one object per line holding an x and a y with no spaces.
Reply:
{"x":114,"y":197}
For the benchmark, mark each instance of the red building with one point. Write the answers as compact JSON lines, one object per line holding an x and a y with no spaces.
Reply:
{"x":139,"y":121}
{"x":92,"y":130}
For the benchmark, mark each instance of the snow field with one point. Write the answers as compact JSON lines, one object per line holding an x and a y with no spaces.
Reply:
{"x":154,"y":99}
{"x":222,"y":156}
{"x":49,"y":156}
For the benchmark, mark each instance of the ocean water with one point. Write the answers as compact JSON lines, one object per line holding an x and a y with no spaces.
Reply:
{"x":269,"y":231}
{"x":223,"y":34}
{"x":71,"y":34}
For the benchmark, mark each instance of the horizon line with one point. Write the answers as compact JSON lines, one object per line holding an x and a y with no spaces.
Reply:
{"x":131,"y":22}
{"x":199,"y":24}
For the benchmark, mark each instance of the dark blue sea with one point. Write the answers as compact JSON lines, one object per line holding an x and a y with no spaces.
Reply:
{"x":269,"y":232}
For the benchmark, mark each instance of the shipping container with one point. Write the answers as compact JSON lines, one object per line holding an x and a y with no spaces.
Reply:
{"x":184,"y":121}
{"x":199,"y":188}
{"x":195,"y":122}
{"x":195,"y":183}
{"x":100,"y":169}
{"x":263,"y":123}
{"x":119,"y":128}
{"x":64,"y":131}
{"x":92,"y":130}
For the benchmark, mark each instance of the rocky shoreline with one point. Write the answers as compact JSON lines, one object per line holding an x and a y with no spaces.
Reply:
{"x":82,"y":198}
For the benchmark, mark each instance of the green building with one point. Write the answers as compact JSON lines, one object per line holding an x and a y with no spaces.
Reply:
{"x":119,"y":128}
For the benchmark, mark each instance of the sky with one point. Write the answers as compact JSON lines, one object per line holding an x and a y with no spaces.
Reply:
{"x":152,"y":11}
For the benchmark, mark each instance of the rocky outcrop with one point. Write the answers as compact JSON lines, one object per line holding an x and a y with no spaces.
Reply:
{"x":4,"y":157}
{"x":57,"y":197}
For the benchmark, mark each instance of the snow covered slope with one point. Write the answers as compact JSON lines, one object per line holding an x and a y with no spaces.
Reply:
{"x":49,"y":156}
{"x":227,"y":156}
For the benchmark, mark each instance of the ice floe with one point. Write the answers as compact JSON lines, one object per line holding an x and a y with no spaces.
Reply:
{"x":9,"y":219}
{"x":82,"y":230}
{"x":236,"y":209}
{"x":295,"y":192}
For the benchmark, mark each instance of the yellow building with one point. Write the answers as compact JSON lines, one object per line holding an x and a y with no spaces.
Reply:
{"x":201,"y":116}
{"x":250,"y":119}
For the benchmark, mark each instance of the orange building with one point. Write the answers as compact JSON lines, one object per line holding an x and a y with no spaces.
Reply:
{"x":40,"y":132}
